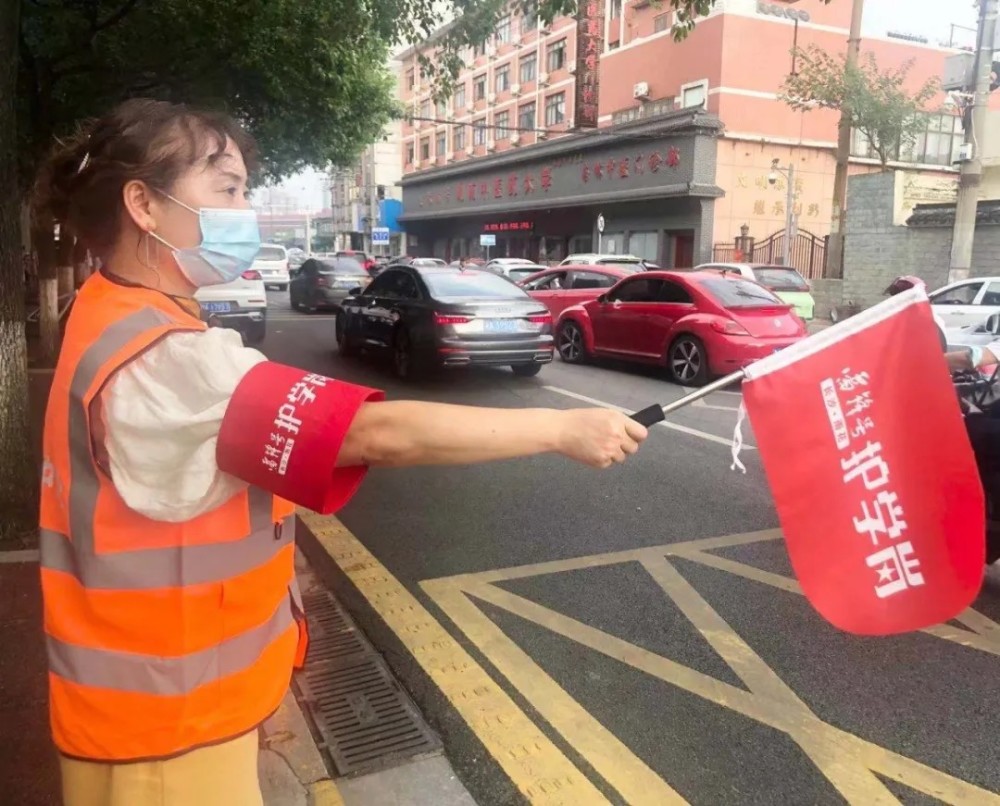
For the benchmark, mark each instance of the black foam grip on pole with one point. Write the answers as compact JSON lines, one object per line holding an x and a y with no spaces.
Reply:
{"x":649,"y":416}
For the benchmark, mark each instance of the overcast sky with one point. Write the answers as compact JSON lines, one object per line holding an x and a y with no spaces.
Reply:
{"x":930,"y":18}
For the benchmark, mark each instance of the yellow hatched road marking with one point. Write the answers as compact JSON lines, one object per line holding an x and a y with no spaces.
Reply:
{"x":538,"y":768}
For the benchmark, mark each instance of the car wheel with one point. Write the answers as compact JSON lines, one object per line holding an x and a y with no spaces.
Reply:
{"x":526,"y":370}
{"x":403,"y":358}
{"x":344,"y":345}
{"x":687,"y":362}
{"x":572,"y":349}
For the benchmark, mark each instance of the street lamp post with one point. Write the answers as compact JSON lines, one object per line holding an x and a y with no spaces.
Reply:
{"x":790,"y":195}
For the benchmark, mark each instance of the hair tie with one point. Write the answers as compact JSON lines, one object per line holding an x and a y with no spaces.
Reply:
{"x":84,"y":162}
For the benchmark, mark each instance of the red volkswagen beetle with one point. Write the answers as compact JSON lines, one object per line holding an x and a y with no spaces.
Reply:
{"x":697,"y":324}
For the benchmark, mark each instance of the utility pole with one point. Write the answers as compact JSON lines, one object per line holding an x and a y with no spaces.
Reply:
{"x":835,"y":250}
{"x":975,"y":138}
{"x":372,"y":200}
{"x":789,"y":213}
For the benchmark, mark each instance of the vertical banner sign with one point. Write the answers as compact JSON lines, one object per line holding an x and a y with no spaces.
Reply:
{"x":872,"y":473}
{"x":589,"y":46}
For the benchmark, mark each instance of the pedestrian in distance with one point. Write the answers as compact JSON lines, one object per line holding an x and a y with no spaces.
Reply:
{"x":174,"y":458}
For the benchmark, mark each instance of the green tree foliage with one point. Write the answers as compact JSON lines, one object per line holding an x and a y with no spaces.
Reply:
{"x":880,"y":104}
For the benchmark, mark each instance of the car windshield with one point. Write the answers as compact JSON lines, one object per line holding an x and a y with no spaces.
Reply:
{"x":630,"y":268}
{"x":429,"y":261}
{"x":271,"y":253}
{"x":779,"y":278}
{"x":341,"y":265}
{"x":732,"y":292}
{"x":471,"y":284}
{"x":520,"y":274}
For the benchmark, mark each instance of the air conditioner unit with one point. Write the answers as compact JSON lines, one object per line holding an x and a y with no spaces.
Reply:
{"x":543,"y":136}
{"x":515,"y":139}
{"x":543,"y":79}
{"x":641,"y":91}
{"x":545,"y":31}
{"x":571,"y":69}
{"x":491,"y":147}
{"x":416,"y":163}
{"x":491,"y":50}
{"x":470,"y":149}
{"x":491,"y":98}
{"x":515,"y":89}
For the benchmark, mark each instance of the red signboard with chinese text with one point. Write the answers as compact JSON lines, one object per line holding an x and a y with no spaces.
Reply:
{"x":589,"y":46}
{"x":872,"y":473}
{"x":509,"y":226}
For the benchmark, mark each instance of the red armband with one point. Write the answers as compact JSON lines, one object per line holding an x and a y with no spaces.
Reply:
{"x":283,"y":430}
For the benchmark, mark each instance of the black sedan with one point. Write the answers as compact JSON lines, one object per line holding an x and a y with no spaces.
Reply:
{"x":434,"y":316}
{"x":325,"y":282}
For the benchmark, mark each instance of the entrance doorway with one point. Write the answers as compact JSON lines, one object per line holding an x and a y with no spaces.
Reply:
{"x":681,"y":249}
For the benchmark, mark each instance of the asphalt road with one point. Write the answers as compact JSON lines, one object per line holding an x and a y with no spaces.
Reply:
{"x":708,"y":669}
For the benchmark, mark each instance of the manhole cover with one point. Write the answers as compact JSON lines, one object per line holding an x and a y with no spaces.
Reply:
{"x":363,"y":716}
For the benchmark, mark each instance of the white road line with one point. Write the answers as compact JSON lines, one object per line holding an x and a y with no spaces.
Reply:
{"x":694,"y":432}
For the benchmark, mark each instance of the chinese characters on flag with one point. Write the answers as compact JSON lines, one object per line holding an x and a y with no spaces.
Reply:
{"x":589,"y":45}
{"x":874,"y":480}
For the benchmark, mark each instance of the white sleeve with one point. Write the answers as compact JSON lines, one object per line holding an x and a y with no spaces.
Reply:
{"x":162,"y":413}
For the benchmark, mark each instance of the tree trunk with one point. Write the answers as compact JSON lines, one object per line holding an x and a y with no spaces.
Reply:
{"x":66,"y":279}
{"x":18,"y":474}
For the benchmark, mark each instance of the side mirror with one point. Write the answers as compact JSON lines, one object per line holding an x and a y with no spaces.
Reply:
{"x":602,"y":299}
{"x":993,"y":324}
{"x":356,"y":291}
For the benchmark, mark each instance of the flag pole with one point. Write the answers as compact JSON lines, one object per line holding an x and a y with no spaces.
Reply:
{"x":657,"y":413}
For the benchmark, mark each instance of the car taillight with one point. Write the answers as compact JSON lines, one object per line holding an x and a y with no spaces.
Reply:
{"x":540,"y":318}
{"x":441,"y":319}
{"x":322,"y":282}
{"x":729,"y":327}
{"x":251,"y":274}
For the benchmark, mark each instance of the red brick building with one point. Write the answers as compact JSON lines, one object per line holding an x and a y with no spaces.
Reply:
{"x":518,"y":97}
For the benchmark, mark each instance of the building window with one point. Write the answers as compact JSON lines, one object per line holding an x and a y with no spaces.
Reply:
{"x":556,"y":56}
{"x":479,"y":88}
{"x":503,"y":30}
{"x":526,"y":117}
{"x":442,"y":144}
{"x":694,"y":95}
{"x":409,"y":154}
{"x":425,"y":148}
{"x":662,"y":22}
{"x":410,"y":79}
{"x":502,"y":123}
{"x":459,"y":102}
{"x":937,"y":144}
{"x":616,"y":8}
{"x":555,"y":109}
{"x":478,"y":50}
{"x":425,"y":110}
{"x":479,"y":132}
{"x":458,"y":138}
{"x":501,"y":79}
{"x":527,"y":69}
{"x":441,"y":109}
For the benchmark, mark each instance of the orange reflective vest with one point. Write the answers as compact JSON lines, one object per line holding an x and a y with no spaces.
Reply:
{"x":162,"y":637}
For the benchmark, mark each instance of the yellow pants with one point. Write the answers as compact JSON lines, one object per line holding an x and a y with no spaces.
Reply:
{"x":220,"y":775}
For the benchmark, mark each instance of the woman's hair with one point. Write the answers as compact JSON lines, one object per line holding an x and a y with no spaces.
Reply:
{"x":80,"y":184}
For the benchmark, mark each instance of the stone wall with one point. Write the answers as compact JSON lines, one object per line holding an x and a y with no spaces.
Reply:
{"x":829,"y":294}
{"x":876,"y":250}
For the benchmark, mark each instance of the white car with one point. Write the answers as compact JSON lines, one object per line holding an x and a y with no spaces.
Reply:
{"x":594,"y":259}
{"x":967,"y":302}
{"x":272,"y":264}
{"x":513,"y":268}
{"x":241,"y":305}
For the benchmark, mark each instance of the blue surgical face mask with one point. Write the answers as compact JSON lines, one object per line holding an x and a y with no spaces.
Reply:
{"x":230,"y":240}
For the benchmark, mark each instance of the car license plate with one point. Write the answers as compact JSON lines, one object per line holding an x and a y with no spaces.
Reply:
{"x":215,"y":307}
{"x":502,"y":325}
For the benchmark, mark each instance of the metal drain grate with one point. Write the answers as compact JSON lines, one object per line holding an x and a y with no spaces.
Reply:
{"x":365,"y":719}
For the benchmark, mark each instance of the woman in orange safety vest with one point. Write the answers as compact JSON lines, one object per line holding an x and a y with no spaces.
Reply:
{"x":174,"y":457}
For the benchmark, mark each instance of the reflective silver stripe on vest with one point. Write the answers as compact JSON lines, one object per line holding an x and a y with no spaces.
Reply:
{"x":155,"y":674}
{"x":141,"y":568}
